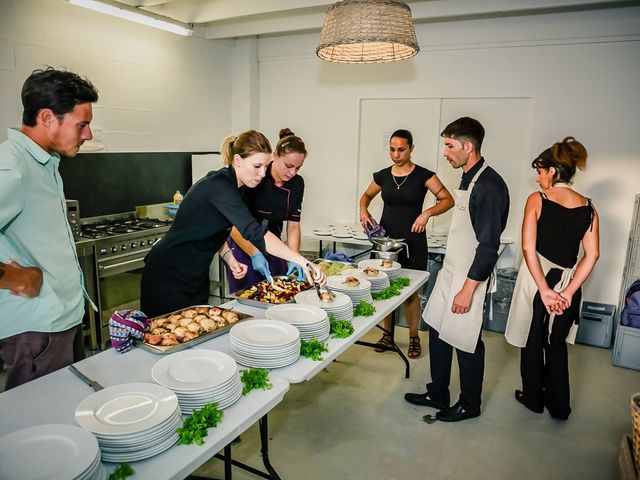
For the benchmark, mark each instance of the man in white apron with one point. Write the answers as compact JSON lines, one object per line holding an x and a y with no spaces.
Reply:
{"x":454,"y":310}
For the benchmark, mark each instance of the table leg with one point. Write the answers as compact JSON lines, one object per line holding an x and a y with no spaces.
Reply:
{"x":320,"y":252}
{"x":393,"y":347}
{"x":264,"y":450}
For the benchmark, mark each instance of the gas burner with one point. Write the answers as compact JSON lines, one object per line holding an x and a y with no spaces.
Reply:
{"x":109,"y":228}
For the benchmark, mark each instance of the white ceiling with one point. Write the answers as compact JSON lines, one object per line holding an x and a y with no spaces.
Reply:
{"x":239,"y":18}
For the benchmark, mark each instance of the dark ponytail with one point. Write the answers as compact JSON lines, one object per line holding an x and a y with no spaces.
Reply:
{"x":565,"y":156}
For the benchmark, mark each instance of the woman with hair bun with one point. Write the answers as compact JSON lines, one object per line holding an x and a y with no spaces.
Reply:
{"x":545,"y":308}
{"x":176,"y":271}
{"x":276,"y":200}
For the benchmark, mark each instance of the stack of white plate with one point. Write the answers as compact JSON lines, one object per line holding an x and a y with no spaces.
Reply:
{"x":132,"y":421}
{"x":392,"y":272}
{"x":199,"y":377}
{"x":340,"y":307}
{"x":311,"y":322}
{"x":264,"y":343}
{"x":378,"y":283}
{"x":337,"y":283}
{"x":52,"y":452}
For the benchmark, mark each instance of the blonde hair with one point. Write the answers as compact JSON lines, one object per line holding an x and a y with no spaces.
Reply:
{"x":565,"y":156}
{"x":245,"y":144}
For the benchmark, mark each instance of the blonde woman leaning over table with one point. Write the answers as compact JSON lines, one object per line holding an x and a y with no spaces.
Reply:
{"x":546,"y":302}
{"x":176,"y":271}
{"x":404,"y":186}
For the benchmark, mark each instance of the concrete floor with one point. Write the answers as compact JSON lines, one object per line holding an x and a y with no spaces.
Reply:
{"x":351,"y":422}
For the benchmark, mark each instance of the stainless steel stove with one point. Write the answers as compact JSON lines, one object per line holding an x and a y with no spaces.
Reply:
{"x":119,"y":244}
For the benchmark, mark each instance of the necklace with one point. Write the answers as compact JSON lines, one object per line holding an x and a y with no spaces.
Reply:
{"x":398,"y":185}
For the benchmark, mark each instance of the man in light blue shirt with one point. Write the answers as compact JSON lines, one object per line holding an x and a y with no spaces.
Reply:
{"x":41,"y":285}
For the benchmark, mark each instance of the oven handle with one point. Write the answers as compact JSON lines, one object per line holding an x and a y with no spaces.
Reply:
{"x":120,"y":264}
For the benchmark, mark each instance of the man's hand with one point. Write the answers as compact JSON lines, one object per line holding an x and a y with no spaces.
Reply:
{"x":22,"y":281}
{"x":462,"y":300}
{"x":238,"y":270}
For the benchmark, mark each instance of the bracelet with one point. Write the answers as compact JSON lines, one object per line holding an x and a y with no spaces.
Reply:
{"x":230,"y":250}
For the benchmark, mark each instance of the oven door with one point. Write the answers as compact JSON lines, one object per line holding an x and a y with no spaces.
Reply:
{"x":119,"y":285}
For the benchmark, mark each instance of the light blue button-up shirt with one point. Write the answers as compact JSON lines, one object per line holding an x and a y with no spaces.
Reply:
{"x":34,"y":232}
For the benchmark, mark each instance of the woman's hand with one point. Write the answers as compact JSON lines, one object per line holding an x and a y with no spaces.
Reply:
{"x":260,"y":264}
{"x":567,"y":298}
{"x":420,"y":225}
{"x":365,"y":219}
{"x":238,"y":270}
{"x":553,"y":302}
{"x":316,"y":273}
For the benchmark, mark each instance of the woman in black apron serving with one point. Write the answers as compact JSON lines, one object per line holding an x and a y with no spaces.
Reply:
{"x":544,"y":312}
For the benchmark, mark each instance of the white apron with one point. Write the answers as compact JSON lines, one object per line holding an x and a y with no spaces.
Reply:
{"x":460,"y":330}
{"x":521,"y":309}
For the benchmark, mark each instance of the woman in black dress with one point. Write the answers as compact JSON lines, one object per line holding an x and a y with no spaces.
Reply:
{"x":176,"y":271}
{"x":545,"y":309}
{"x":278,"y":199}
{"x":404,"y":186}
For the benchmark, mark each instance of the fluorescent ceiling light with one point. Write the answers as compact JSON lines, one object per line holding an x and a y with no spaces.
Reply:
{"x":135,"y":15}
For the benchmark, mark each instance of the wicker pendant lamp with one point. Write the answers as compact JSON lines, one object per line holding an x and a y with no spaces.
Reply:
{"x":367,"y":31}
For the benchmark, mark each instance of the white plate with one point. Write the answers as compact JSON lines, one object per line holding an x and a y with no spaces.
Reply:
{"x":322,"y":231}
{"x":47,"y":452}
{"x":194,"y":369}
{"x":126,"y":408}
{"x":296,"y":314}
{"x":264,"y":332}
{"x":376,"y":263}
{"x":309,"y":297}
{"x":337,"y":282}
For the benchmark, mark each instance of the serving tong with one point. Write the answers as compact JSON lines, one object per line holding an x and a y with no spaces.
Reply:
{"x":317,"y":287}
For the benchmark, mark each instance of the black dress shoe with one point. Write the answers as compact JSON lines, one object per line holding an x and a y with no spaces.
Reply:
{"x":456,"y":413}
{"x":424,"y":400}
{"x":519,"y":394}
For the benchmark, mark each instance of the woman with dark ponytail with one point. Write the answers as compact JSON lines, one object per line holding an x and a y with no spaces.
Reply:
{"x":276,"y":200}
{"x":545,"y":308}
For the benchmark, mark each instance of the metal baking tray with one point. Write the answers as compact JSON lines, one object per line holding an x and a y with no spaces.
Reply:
{"x":257,"y":303}
{"x":162,"y":350}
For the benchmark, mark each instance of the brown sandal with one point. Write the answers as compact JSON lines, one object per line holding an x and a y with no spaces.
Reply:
{"x":414,"y":347}
{"x":385,"y":341}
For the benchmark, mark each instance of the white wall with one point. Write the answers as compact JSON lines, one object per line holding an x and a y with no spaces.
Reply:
{"x":158,"y":91}
{"x":581,"y":70}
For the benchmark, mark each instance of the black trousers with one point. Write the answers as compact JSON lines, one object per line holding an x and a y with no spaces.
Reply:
{"x":471,"y":371}
{"x":544,"y":361}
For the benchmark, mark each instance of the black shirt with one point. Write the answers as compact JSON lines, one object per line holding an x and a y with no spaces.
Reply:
{"x":176,"y":272}
{"x":272,"y":205}
{"x":488,"y":209}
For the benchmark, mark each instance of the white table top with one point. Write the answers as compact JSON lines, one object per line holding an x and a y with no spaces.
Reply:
{"x":54,"y":398}
{"x":305,"y":368}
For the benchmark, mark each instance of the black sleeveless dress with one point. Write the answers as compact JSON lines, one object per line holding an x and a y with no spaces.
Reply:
{"x":544,"y":360}
{"x":402,"y":205}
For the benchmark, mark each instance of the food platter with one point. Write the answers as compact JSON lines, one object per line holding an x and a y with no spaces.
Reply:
{"x":202,"y":337}
{"x":264,"y":295}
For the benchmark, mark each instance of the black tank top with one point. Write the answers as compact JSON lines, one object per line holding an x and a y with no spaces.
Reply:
{"x":560,"y":231}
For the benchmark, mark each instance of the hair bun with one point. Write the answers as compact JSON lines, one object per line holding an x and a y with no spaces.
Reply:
{"x":285,"y":132}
